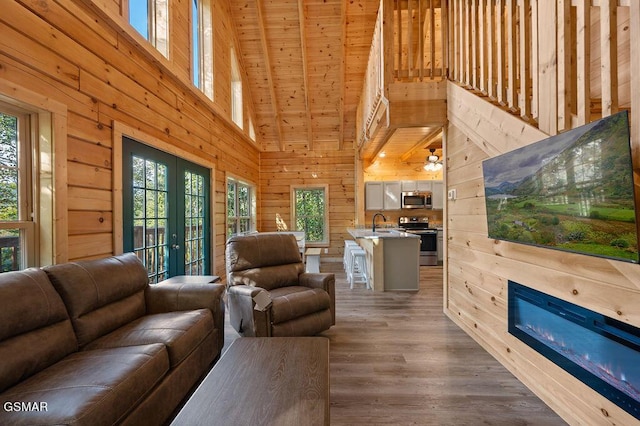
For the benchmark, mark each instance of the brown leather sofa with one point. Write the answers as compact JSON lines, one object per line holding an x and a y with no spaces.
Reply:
{"x":269,"y":294}
{"x":92,"y":343}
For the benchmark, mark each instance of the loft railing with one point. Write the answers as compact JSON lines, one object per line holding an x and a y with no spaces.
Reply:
{"x":556,"y":64}
{"x":419,"y":35}
{"x":373,"y":87}
{"x":408,"y":45}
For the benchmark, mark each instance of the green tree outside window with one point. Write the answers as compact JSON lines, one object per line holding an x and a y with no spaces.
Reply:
{"x":310,"y":213}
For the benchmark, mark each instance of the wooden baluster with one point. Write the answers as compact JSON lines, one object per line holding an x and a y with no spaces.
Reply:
{"x":609,"y":56}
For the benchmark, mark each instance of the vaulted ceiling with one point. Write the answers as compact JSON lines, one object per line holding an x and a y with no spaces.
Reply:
{"x":305,"y":62}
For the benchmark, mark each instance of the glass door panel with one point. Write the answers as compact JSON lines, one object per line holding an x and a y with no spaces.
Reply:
{"x":166,"y":214}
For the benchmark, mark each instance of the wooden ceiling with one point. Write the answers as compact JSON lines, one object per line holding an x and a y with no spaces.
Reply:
{"x":305,"y":62}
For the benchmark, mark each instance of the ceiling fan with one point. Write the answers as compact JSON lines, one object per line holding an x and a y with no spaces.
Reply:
{"x":432,"y":162}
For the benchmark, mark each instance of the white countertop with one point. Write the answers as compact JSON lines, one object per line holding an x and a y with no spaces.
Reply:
{"x":379,"y":233}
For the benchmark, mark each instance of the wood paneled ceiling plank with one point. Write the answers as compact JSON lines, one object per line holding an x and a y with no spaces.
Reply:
{"x":383,"y":142}
{"x":272,"y":91}
{"x":303,"y":49}
{"x":422,"y":143}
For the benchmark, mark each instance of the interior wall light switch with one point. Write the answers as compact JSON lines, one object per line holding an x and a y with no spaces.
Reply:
{"x":451,"y":194}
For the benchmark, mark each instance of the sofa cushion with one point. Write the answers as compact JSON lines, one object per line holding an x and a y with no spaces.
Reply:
{"x":296,"y":301}
{"x":101,"y":295}
{"x":180,"y":332}
{"x":35,"y":330}
{"x":89,"y":388}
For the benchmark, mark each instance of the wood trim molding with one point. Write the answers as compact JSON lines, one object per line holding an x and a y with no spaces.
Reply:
{"x":54,"y":246}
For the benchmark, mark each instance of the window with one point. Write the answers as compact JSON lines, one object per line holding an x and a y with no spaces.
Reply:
{"x":236,"y":91}
{"x":202,"y":46}
{"x":240,"y":207}
{"x":16,"y":226}
{"x":151,"y":19}
{"x":252,"y":130}
{"x":310,"y":212}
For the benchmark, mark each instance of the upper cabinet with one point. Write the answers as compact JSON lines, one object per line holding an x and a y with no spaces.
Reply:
{"x":392,"y":195}
{"x":374,"y":195}
{"x":437,"y":195}
{"x":383,"y":195}
{"x":416,"y":185}
{"x":388,"y":195}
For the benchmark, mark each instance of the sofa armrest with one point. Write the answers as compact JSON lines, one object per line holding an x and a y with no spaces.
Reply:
{"x":185,"y":297}
{"x":325,"y":281}
{"x":244,"y":318}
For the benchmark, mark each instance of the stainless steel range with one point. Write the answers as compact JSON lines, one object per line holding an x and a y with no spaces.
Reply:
{"x":419,"y":225}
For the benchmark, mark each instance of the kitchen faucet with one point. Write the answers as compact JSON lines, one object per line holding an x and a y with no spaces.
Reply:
{"x":373,"y":227}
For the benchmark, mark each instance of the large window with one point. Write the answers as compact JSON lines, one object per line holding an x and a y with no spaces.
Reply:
{"x":202,"y":46}
{"x":240,"y":207}
{"x":310,"y":207}
{"x":151,"y":19}
{"x":16,"y":194}
{"x":236,"y":91}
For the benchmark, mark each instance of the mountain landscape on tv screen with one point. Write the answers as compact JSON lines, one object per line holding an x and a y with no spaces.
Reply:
{"x":573,"y":191}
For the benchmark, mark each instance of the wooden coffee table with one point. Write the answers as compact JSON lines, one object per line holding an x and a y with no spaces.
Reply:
{"x":264,"y":381}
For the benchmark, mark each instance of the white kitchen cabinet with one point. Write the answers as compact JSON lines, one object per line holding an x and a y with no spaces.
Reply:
{"x":437,"y":194}
{"x":374,"y":195}
{"x":424,"y":185}
{"x":409,"y":186}
{"x":392,"y":195}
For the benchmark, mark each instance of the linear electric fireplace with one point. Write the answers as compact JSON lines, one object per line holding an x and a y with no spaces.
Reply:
{"x":601,"y":352}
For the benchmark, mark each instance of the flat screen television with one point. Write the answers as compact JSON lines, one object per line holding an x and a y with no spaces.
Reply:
{"x":573,"y":191}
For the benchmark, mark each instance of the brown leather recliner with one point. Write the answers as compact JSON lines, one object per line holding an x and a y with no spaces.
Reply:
{"x":269,"y":292}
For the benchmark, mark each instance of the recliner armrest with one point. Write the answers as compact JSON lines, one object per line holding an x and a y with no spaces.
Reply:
{"x":325,"y":281}
{"x":246,"y":320}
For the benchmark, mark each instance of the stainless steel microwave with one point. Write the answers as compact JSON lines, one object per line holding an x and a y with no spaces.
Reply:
{"x":416,"y":200}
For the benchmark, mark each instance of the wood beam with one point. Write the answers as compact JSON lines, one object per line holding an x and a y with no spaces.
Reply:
{"x":422,"y":143}
{"x":564,"y":65}
{"x":609,"y":56}
{"x":303,"y":48}
{"x":343,"y":70}
{"x":267,"y":64}
{"x":583,"y":18}
{"x":525,"y":80}
{"x":547,"y":67}
{"x":383,"y":142}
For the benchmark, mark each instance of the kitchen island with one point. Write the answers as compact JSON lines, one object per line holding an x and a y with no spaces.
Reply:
{"x":393,"y":258}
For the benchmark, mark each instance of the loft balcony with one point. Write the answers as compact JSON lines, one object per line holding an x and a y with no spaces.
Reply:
{"x":405,"y":83}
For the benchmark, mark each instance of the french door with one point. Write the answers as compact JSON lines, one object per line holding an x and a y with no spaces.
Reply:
{"x":165,"y":211}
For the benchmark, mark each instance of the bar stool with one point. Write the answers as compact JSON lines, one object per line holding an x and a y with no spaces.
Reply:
{"x":346,"y":257}
{"x":357,"y":272}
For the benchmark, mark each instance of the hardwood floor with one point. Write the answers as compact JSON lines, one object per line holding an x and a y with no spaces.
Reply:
{"x":396,"y":359}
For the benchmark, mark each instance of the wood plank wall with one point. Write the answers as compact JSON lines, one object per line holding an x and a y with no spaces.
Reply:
{"x":325,"y":165}
{"x":83,"y":55}
{"x":555,"y":82}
